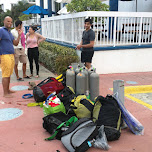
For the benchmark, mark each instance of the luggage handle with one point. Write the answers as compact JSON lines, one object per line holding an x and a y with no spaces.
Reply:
{"x":47,"y":80}
{"x":43,"y":82}
{"x":87,"y":125}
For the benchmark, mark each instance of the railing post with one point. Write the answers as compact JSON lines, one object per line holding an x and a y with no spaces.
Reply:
{"x":72,"y":30}
{"x":118,"y":87}
{"x":140,"y":31}
{"x":114,"y":36}
{"x":54,"y":29}
{"x":62,"y":30}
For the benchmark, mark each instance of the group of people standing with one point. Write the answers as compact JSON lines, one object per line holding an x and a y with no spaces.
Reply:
{"x":12,"y":51}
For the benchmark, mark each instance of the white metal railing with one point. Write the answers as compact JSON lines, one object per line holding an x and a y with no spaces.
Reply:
{"x":111,"y":28}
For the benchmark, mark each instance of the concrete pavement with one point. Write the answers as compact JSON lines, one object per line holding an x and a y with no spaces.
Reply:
{"x":26,"y":134}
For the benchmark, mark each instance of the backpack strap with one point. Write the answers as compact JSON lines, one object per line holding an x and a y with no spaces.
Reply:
{"x":66,"y":123}
{"x":119,"y":121}
{"x":87,"y":103}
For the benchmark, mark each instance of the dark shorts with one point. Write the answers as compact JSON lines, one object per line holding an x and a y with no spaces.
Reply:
{"x":86,"y":56}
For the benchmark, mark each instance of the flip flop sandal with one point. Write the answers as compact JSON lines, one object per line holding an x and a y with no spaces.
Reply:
{"x":26,"y":96}
{"x":20,"y":79}
{"x":27,"y":77}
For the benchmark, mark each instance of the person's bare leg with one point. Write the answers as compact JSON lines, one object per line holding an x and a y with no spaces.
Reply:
{"x":24,"y":70}
{"x":88,"y":65}
{"x":6,"y":83}
{"x":10,"y":91}
{"x":16,"y":70}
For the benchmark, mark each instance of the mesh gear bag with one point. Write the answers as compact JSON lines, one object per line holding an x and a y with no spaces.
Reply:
{"x":107,"y":112}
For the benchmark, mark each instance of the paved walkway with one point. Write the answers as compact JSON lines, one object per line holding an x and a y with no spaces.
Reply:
{"x":26,"y":134}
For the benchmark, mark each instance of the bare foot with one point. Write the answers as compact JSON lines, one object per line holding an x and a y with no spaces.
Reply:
{"x":8,"y":96}
{"x":11,"y":91}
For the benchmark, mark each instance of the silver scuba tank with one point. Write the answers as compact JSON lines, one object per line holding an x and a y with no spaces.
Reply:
{"x":70,"y":78}
{"x":81,"y":64}
{"x":89,"y":73}
{"x":94,"y":85}
{"x":85,"y":71}
{"x":80,"y":83}
{"x":77,"y":70}
{"x":74,"y":66}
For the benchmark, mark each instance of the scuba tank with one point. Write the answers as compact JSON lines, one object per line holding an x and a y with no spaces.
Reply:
{"x":77,"y":70}
{"x":70,"y":78}
{"x":94,"y":85}
{"x":80,"y":83}
{"x":89,"y":73}
{"x":85,"y":71}
{"x":81,"y":64}
{"x":74,"y":65}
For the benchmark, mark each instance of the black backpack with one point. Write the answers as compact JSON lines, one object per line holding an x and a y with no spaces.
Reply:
{"x":66,"y":95}
{"x":107,"y":112}
{"x":52,"y":121}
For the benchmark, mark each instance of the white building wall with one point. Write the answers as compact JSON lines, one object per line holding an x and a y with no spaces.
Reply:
{"x":130,"y":6}
{"x":127,"y":6}
{"x":144,"y":6}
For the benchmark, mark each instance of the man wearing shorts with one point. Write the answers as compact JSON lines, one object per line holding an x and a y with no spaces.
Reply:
{"x":19,"y":52}
{"x":87,"y":44}
{"x":7,"y":55}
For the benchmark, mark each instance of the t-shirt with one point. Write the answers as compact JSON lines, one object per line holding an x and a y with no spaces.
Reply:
{"x":6,"y":41}
{"x":88,"y":36}
{"x":15,"y":34}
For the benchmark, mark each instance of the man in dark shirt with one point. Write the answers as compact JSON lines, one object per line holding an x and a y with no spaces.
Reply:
{"x":87,"y":44}
{"x":7,"y":54}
